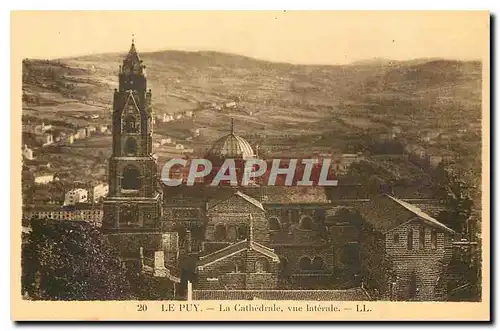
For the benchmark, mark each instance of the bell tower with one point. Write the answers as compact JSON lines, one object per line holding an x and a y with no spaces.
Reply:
{"x":133,"y":202}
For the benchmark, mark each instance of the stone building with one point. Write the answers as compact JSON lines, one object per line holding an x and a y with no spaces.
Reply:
{"x":99,"y":191}
{"x":80,"y":134}
{"x":315,"y":232}
{"x":27,"y":152}
{"x":254,"y":237}
{"x":74,"y":196}
{"x":293,"y":222}
{"x":132,"y":208}
{"x":289,"y":221}
{"x":419,"y":247}
{"x":84,"y":212}
{"x":133,"y":201}
{"x":44,"y":139}
{"x":44,"y":178}
{"x":243,"y":265}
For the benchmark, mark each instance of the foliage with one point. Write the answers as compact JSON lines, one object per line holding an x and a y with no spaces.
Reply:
{"x":376,"y":265}
{"x":64,"y":260}
{"x":147,"y":287}
{"x":465,"y":282}
{"x":454,"y":192}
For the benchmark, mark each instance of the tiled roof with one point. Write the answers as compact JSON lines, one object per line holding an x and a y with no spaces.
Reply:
{"x":264,"y":250}
{"x":235,"y":249}
{"x":294,"y":194}
{"x":386,"y":213}
{"x":431,"y":208}
{"x":355,"y":294}
{"x":222,"y":253}
{"x":248,"y":198}
{"x":418,"y":212}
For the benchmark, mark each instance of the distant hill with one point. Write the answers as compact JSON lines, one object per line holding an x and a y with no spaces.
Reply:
{"x":286,"y":109}
{"x":271,"y":97}
{"x":376,"y":61}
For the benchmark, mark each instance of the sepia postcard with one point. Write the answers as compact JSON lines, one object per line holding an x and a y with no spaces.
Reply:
{"x":250,"y":166}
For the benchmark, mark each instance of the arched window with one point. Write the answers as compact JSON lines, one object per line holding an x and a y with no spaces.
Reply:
{"x":317,"y":263}
{"x":131,"y":178}
{"x":395,"y":238}
{"x":130,"y":125}
{"x":305,"y":263}
{"x":220,"y":232}
{"x":274,"y":224}
{"x":306,"y":223}
{"x":231,"y":233}
{"x":261,"y":265}
{"x":131,"y":146}
{"x":410,"y":240}
{"x":242,"y":232}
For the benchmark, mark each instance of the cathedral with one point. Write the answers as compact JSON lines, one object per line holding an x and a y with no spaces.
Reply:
{"x":237,"y":238}
{"x":226,"y":237}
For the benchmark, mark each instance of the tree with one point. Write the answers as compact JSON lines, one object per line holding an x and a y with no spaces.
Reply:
{"x":148,"y":287}
{"x":376,"y":266}
{"x":64,"y":260}
{"x":454,"y":192}
{"x":463,"y":281}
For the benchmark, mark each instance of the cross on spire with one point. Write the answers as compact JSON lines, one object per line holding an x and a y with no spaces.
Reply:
{"x":232,"y":125}
{"x":133,"y":38}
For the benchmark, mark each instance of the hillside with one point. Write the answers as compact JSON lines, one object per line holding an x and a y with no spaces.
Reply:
{"x":272,"y":98}
{"x":285,"y":108}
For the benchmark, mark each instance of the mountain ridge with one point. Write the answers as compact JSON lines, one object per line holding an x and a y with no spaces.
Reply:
{"x":271,"y":97}
{"x":367,"y":61}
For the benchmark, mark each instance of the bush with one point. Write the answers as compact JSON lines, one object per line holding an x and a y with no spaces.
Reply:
{"x":64,"y":260}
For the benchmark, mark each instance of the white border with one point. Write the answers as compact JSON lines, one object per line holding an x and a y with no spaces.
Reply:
{"x":191,"y":4}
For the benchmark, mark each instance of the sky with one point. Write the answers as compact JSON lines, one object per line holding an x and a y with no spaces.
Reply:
{"x":319,"y":37}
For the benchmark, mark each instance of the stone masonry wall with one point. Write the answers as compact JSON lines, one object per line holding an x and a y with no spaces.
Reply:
{"x":225,"y":274}
{"x":235,"y":212}
{"x":417,"y":269}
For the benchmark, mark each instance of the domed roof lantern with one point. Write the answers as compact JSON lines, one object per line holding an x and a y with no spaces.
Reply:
{"x":231,"y":146}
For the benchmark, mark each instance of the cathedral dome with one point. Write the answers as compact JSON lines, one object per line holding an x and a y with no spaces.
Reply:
{"x":231,"y":146}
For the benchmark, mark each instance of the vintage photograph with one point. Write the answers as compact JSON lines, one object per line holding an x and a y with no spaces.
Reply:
{"x":285,"y":156}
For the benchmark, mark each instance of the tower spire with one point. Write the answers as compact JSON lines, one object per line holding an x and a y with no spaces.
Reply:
{"x":132,"y":63}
